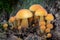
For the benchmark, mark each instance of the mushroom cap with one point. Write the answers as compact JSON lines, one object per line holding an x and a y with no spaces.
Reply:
{"x":23,"y":13}
{"x":12,"y":19}
{"x":42,"y":27}
{"x":42,"y":23}
{"x":40,"y":12}
{"x":5,"y":25}
{"x":49,"y":35}
{"x":47,"y":30}
{"x":35,"y":7}
{"x":49,"y":17}
{"x":50,"y":26}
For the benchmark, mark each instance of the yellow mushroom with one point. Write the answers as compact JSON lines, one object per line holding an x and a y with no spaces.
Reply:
{"x":49,"y":35}
{"x":42,"y":28}
{"x":5,"y":26}
{"x":41,"y":13}
{"x":50,"y":26}
{"x":47,"y":30}
{"x":35,"y":7}
{"x":12,"y":19}
{"x":24,"y":14}
{"x":42,"y":23}
{"x":17,"y":16}
{"x":49,"y":18}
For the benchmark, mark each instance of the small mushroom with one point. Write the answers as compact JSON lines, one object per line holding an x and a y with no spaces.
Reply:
{"x":42,"y":28}
{"x":41,"y":13}
{"x":35,"y":7}
{"x":12,"y":19}
{"x":49,"y":18}
{"x":24,"y":14}
{"x":42,"y":23}
{"x":47,"y":30}
{"x":50,"y":26}
{"x":5,"y":25}
{"x":49,"y":35}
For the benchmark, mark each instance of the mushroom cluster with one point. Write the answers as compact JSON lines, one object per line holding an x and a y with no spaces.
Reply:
{"x":45,"y":19}
{"x":36,"y":11}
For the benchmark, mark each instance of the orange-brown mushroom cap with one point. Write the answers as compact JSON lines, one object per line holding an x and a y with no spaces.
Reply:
{"x":5,"y":25}
{"x":42,"y":27}
{"x":12,"y":19}
{"x":49,"y":17}
{"x":49,"y":35}
{"x":41,"y":12}
{"x":47,"y":30}
{"x":50,"y":26}
{"x":42,"y":23}
{"x":35,"y":7}
{"x":23,"y":13}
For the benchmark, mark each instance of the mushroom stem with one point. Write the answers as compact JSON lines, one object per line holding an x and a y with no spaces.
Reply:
{"x":48,"y":21}
{"x":41,"y":19}
{"x":24,"y":23}
{"x":18,"y":22}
